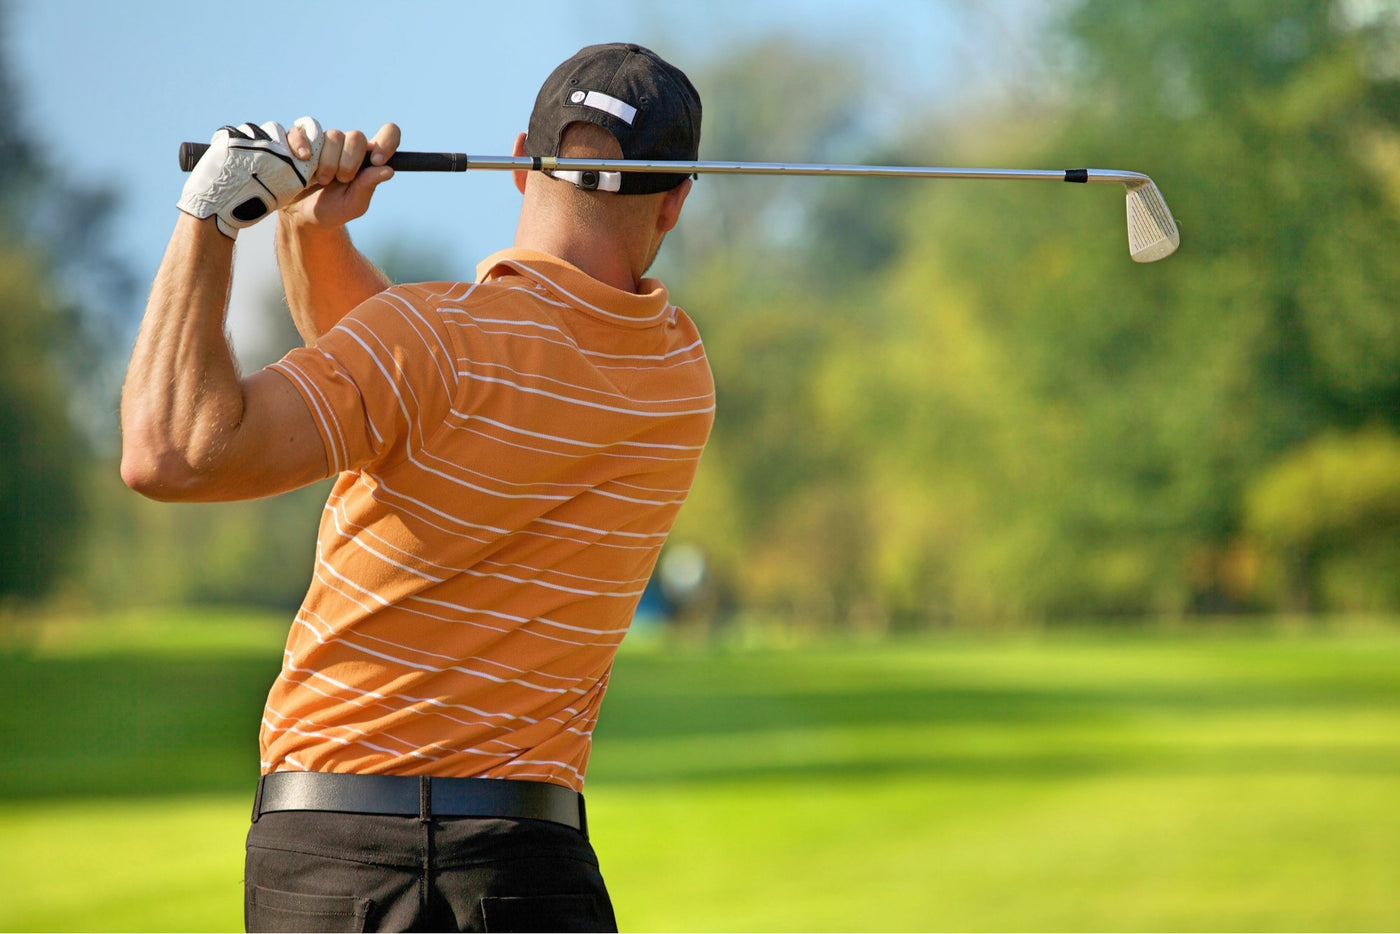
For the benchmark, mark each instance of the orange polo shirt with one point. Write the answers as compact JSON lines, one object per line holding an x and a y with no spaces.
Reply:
{"x":511,"y":456}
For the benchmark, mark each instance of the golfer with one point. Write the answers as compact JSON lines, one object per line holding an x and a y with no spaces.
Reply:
{"x":510,"y":452}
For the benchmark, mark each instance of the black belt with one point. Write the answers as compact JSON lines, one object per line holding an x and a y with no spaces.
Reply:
{"x":420,"y":796}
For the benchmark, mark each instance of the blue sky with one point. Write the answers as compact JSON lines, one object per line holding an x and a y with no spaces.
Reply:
{"x":112,"y":88}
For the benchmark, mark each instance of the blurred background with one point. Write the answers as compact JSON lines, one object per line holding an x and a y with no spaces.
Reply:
{"x":1087,"y":570}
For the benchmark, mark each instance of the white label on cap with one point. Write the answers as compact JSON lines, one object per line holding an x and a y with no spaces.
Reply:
{"x":608,"y":104}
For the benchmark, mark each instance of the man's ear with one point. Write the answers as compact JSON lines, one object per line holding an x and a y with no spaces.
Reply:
{"x":519,"y":174}
{"x":671,"y":206}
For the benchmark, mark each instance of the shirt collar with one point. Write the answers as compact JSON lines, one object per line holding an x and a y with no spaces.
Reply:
{"x":578,"y":289}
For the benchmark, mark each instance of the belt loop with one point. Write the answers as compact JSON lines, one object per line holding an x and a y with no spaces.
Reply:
{"x":257,"y":799}
{"x":582,"y":817}
{"x":425,"y":798}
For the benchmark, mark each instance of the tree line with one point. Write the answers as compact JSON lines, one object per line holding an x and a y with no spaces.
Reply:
{"x":940,"y":403}
{"x":960,"y":402}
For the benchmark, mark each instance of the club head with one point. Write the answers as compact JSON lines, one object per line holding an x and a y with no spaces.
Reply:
{"x":1152,"y":233}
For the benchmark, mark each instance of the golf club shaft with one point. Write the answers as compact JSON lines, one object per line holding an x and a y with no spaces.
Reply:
{"x":461,"y":162}
{"x":1152,"y":231}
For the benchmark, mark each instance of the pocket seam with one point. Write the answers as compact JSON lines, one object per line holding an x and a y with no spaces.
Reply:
{"x":304,"y":903}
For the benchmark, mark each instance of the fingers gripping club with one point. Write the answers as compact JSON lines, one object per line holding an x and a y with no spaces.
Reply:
{"x":190,"y":154}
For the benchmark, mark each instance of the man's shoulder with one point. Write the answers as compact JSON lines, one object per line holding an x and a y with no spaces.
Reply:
{"x":457,"y":294}
{"x":428,"y":292}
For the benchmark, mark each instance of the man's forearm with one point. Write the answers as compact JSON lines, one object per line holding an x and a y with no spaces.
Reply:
{"x":182,"y":391}
{"x":323,"y":275}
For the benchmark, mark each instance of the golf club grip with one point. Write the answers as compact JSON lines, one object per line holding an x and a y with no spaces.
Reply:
{"x":399,"y":161}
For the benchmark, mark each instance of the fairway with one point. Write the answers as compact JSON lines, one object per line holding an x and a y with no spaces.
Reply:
{"x":1080,"y":781}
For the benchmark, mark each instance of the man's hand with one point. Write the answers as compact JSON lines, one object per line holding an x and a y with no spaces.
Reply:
{"x":249,"y":172}
{"x":340,"y":190}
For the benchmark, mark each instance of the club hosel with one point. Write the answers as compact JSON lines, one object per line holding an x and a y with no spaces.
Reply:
{"x":1108,"y":177}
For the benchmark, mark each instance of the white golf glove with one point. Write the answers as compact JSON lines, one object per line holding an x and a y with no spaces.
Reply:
{"x":247,"y":173}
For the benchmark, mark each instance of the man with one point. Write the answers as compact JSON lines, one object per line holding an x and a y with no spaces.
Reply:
{"x":510,"y":454}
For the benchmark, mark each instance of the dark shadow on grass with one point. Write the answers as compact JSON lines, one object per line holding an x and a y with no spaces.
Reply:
{"x":648,"y":700}
{"x":130,"y":724}
{"x":613,"y":769}
{"x":133,"y":725}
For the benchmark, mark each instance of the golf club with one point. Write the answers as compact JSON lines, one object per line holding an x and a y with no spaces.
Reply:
{"x":1152,"y":232}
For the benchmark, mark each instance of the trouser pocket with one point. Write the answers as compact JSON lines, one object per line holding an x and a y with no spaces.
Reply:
{"x":271,"y":910}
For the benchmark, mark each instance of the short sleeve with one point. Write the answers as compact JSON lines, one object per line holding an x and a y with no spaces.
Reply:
{"x":379,"y":383}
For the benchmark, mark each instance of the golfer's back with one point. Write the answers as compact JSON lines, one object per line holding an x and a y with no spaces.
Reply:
{"x":513,"y":453}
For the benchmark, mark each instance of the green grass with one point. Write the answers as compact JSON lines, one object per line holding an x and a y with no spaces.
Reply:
{"x":1087,"y":782}
{"x":1237,"y":780}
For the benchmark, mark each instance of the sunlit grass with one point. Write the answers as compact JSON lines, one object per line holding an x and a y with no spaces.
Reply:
{"x":1235,"y":780}
{"x":124,"y":864}
{"x":1116,"y":852}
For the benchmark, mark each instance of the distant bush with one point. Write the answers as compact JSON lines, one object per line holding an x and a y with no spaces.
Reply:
{"x":1328,"y":515}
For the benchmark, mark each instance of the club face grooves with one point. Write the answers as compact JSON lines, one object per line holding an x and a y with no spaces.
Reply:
{"x":1152,"y":231}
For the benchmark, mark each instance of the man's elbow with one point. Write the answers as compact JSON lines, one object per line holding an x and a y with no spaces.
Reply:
{"x":158,"y":473}
{"x":145,"y":476}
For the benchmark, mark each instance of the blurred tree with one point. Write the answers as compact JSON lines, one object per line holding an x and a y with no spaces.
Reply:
{"x":1144,"y":401}
{"x":957,"y":401}
{"x":736,"y":267}
{"x":770,"y":100}
{"x":60,"y":296}
{"x":41,"y":451}
{"x":1321,"y":509}
{"x":1280,"y":324}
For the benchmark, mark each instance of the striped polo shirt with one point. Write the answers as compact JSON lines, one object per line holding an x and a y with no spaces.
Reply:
{"x":511,"y":454}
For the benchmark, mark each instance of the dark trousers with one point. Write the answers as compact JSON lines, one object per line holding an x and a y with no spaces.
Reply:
{"x":325,"y":871}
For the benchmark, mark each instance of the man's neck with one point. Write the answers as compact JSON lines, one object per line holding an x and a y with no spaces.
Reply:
{"x":594,"y":258}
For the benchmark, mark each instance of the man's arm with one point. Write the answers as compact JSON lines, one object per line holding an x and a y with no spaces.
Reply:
{"x":323,"y":275}
{"x":191,"y":428}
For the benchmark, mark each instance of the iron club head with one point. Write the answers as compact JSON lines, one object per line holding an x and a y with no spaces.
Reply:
{"x":1152,"y":233}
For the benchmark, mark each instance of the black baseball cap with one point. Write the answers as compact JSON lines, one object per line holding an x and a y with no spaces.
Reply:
{"x":648,"y":104}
